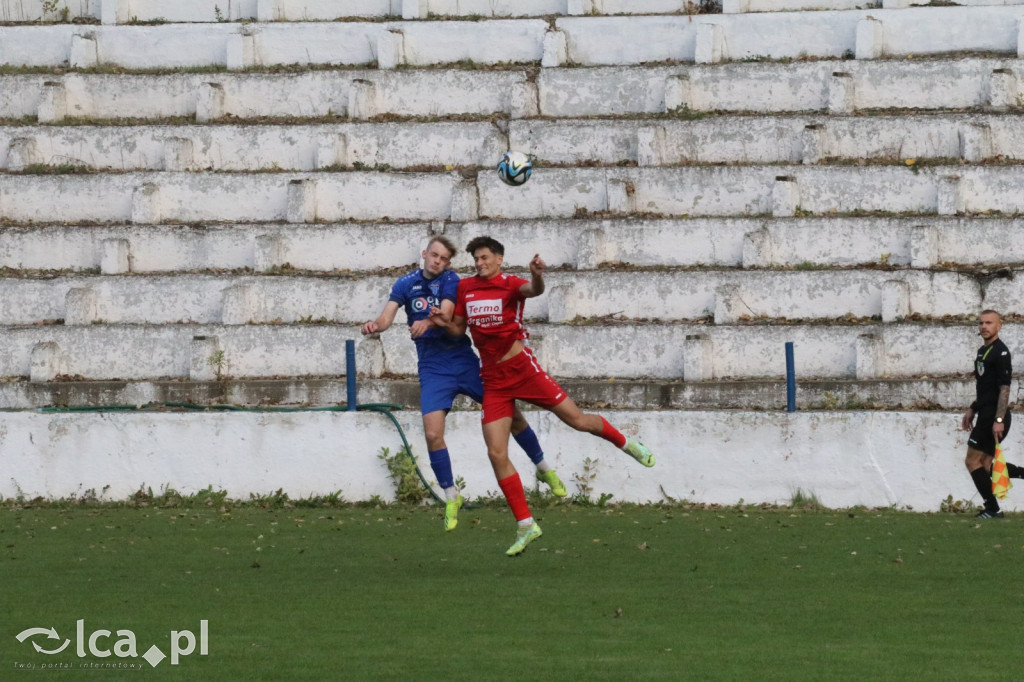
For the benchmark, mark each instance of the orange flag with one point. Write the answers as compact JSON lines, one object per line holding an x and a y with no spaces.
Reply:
{"x":1000,"y":480}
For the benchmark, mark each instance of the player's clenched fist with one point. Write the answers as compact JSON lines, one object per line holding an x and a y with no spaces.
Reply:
{"x":537,"y":265}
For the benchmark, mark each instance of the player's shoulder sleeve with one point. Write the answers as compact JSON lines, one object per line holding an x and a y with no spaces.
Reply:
{"x":515,"y":283}
{"x":463,"y":286}
{"x":449,"y":286}
{"x":400,"y":289}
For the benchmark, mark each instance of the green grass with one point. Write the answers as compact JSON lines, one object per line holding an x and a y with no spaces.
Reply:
{"x":609,"y":593}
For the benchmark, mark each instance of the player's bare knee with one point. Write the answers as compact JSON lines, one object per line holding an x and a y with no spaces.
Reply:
{"x":497,"y":456}
{"x":435,"y":439}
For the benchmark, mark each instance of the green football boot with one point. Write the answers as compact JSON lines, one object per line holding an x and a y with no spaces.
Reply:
{"x":639,"y":452}
{"x":451,"y":513}
{"x":550,"y":477}
{"x":524,"y":536}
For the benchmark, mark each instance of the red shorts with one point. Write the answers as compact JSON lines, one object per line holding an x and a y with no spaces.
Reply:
{"x":518,"y":378}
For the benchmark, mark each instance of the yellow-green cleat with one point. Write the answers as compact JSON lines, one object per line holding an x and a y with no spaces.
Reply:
{"x":553,"y":481}
{"x":451,"y":513}
{"x":524,"y":536}
{"x":639,"y":452}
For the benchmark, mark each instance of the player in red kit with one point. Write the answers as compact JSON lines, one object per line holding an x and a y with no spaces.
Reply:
{"x":490,"y":305}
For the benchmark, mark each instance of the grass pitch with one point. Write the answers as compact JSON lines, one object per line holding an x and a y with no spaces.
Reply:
{"x":608,"y":593}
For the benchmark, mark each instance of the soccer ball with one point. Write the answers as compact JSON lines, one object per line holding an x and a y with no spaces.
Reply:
{"x":515,"y":168}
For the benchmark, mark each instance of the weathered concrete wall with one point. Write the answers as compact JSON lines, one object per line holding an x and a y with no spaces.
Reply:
{"x":588,"y":41}
{"x":125,"y":11}
{"x":902,"y":459}
{"x":585,"y":244}
{"x":949,"y":393}
{"x":781,"y":191}
{"x":719,"y":139}
{"x":835,"y":86}
{"x":656,"y":351}
{"x":680,"y":295}
{"x":253,"y":148}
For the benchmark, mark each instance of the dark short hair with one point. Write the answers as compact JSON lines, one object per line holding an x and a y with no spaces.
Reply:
{"x":445,"y":242}
{"x":485,"y":243}
{"x":989,"y":311}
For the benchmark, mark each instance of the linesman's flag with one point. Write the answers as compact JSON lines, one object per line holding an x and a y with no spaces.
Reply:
{"x":1000,"y":480}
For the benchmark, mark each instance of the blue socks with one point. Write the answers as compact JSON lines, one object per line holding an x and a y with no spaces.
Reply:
{"x":527,"y":440}
{"x":441,"y":463}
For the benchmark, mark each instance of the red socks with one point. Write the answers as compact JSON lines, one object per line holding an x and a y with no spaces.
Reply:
{"x":515,"y":496}
{"x":612,"y":434}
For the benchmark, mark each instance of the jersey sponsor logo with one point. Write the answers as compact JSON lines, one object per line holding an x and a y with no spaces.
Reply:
{"x":482,"y":308}
{"x":484,"y":313}
{"x":420,"y":305}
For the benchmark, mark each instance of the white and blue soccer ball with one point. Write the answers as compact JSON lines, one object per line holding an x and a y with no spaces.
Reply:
{"x":515,"y":168}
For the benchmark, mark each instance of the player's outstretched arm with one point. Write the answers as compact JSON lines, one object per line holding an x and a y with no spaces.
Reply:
{"x":535,"y":287}
{"x":387,"y":317}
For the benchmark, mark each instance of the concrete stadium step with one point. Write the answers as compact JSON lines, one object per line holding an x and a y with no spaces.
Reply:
{"x":901,"y":4}
{"x":780,"y":191}
{"x":175,"y":46}
{"x":769,"y":139}
{"x":744,"y":6}
{"x":693,"y":352}
{"x":741,"y":6}
{"x":182,"y":248}
{"x":583,"y":244}
{"x":953,"y":393}
{"x":338,"y":94}
{"x":253,"y":147}
{"x":135,"y":11}
{"x":865,"y":34}
{"x":726,"y":295}
{"x":719,"y":139}
{"x":586,"y":41}
{"x":833,"y":86}
{"x":587,"y":244}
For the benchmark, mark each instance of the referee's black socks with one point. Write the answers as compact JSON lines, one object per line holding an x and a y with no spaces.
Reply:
{"x":1014,"y":471}
{"x":983,"y":482}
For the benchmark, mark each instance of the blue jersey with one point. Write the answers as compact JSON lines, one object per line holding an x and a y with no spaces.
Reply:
{"x":418,"y":294}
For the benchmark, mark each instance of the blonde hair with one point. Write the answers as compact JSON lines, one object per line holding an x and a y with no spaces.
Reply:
{"x":445,"y":242}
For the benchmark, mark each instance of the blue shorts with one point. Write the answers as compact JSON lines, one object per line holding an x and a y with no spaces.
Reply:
{"x":438,"y":387}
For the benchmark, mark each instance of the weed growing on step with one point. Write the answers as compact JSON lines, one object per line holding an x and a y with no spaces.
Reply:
{"x":402,"y":470}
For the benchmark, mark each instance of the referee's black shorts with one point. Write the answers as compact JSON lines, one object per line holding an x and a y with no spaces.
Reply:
{"x":981,"y":437}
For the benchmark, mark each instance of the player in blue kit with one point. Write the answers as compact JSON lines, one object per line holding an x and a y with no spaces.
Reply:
{"x":447,"y":366}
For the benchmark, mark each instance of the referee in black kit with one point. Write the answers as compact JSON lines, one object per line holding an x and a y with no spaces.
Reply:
{"x":992,"y":374}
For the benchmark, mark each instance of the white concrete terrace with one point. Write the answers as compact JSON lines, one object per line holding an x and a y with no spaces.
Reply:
{"x":193,"y":11}
{"x":585,"y":244}
{"x":663,"y":294}
{"x":254,"y":147}
{"x":685,"y":91}
{"x":652,"y":351}
{"x":477,"y":144}
{"x":735,"y":191}
{"x":584,"y":41}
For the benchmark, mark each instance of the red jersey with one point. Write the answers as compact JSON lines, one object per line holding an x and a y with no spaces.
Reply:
{"x":493,"y":309}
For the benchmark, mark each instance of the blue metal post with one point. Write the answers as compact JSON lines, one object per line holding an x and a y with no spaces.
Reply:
{"x":350,"y":373}
{"x":790,"y":378}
